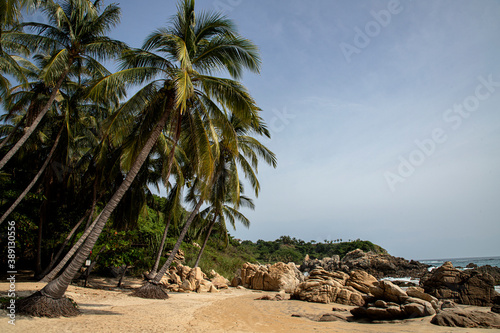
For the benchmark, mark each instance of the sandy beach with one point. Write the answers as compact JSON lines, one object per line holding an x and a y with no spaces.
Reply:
{"x":107,"y":309}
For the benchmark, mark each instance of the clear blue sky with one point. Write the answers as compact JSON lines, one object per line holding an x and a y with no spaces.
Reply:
{"x":384,"y":117}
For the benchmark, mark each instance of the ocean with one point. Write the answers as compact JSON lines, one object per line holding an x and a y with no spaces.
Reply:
{"x":463,"y":262}
{"x":459,"y":263}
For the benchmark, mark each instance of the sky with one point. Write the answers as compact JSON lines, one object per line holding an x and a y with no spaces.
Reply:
{"x":384,"y":118}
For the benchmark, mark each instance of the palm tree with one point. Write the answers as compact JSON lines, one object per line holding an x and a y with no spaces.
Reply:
{"x":193,"y":49}
{"x":75,"y":38}
{"x":227,"y":189}
{"x":10,"y":15}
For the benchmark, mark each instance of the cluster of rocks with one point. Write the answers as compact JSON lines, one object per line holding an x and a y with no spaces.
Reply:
{"x":275,"y":277}
{"x":387,"y":301}
{"x":378,"y":265}
{"x":322,"y":286}
{"x":468,"y":287}
{"x":185,"y":279}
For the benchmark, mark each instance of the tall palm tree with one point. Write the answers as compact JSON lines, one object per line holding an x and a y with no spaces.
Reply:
{"x":227,"y":189}
{"x":76,"y":37}
{"x":193,"y":50}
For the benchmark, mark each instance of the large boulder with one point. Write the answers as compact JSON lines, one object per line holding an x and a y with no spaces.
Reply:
{"x":275,"y":277}
{"x":468,"y":287}
{"x":322,"y":286}
{"x":219,"y":281}
{"x":469,"y":319}
{"x":361,"y":281}
{"x":387,"y":291}
{"x":326,"y":291}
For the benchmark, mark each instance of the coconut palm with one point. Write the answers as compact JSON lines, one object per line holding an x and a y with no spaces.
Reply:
{"x":75,"y":37}
{"x":227,"y":189}
{"x":193,"y":49}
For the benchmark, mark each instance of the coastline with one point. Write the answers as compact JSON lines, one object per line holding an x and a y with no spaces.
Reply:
{"x":230,"y":310}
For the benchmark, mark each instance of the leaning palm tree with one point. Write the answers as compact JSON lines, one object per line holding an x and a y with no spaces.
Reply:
{"x":193,"y":49}
{"x":75,"y":36}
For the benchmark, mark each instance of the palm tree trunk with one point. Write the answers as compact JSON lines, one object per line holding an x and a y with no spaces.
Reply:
{"x":160,"y":250}
{"x":57,"y":288}
{"x":177,"y":245}
{"x":205,"y":242}
{"x":170,"y":161}
{"x":33,"y":182}
{"x":49,"y":277}
{"x":38,"y":119}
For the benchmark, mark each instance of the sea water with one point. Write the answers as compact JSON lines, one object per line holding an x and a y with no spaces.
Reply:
{"x":459,"y":263}
{"x":463,"y":262}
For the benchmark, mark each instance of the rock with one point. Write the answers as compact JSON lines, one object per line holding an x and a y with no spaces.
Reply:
{"x":495,"y":308}
{"x":380,"y":304}
{"x":183,"y":271}
{"x":339,"y":309}
{"x":382,"y":265}
{"x":275,"y":277}
{"x":388,"y":291}
{"x":277,"y":297}
{"x":466,"y":287}
{"x":471,"y":265}
{"x":203,"y":286}
{"x":331,"y":317}
{"x":448,"y":305}
{"x":186,"y":285}
{"x":389,"y":302}
{"x":491,"y":270}
{"x":419,"y":293}
{"x":195,"y":274}
{"x":361,"y":281}
{"x":414,"y":310}
{"x":220,"y":282}
{"x":236,"y":281}
{"x":469,"y":319}
{"x":325,"y":291}
{"x":329,"y":264}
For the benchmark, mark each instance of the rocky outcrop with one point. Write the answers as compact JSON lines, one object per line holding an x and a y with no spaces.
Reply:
{"x":382,"y":265}
{"x":275,"y":277}
{"x":322,"y":286}
{"x":389,"y":302}
{"x":466,"y":287}
{"x":378,"y":265}
{"x":186,"y":279}
{"x":491,"y":270}
{"x":329,"y":264}
{"x":469,"y":319}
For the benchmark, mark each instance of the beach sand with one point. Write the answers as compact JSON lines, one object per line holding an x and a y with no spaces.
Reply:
{"x":230,"y":310}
